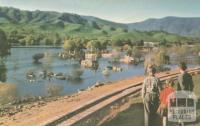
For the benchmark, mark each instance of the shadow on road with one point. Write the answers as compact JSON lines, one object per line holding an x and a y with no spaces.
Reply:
{"x":134,"y":116}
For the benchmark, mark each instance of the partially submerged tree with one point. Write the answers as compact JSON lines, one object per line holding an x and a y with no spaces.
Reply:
{"x":73,"y":48}
{"x":158,"y":59}
{"x":180,"y":53}
{"x":134,"y":52}
{"x":37,"y":57}
{"x":69,"y":45}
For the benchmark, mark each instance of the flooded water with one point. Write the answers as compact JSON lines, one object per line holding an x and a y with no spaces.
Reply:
{"x":15,"y":67}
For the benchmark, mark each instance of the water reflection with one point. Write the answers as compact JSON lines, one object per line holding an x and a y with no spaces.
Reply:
{"x":53,"y":90}
{"x":76,"y":81}
{"x":95,"y":66}
{"x":48,"y":60}
{"x":68,"y":74}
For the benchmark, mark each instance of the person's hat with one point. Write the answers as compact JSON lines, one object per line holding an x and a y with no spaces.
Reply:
{"x":183,"y":65}
{"x":151,"y":69}
{"x":170,"y":82}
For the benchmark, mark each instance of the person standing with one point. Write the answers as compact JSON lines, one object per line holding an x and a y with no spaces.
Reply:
{"x":162,"y":110}
{"x":150,"y":96}
{"x":185,"y":82}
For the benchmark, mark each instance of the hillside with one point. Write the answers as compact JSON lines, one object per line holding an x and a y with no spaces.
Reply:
{"x":177,"y":25}
{"x":46,"y":27}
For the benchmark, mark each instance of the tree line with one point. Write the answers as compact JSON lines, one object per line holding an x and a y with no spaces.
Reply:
{"x":28,"y":38}
{"x":4,"y":45}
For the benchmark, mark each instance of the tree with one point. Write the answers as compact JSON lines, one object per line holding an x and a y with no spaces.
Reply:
{"x":140,"y":43}
{"x":112,"y":29}
{"x":30,"y":40}
{"x":89,"y":45}
{"x":117,"y":43}
{"x":95,"y":25}
{"x":97,"y":45}
{"x":56,"y":40}
{"x":3,"y":72}
{"x":125,"y":30}
{"x":14,"y":14}
{"x":158,"y":59}
{"x":182,"y":53}
{"x":13,"y":37}
{"x":163,"y":42}
{"x":78,"y":44}
{"x":26,"y":16}
{"x":129,"y":50}
{"x":47,"y":41}
{"x":104,"y":32}
{"x":22,"y":42}
{"x":69,"y":45}
{"x":136,"y":53}
{"x":4,"y":45}
{"x":74,"y":48}
{"x":104,"y":44}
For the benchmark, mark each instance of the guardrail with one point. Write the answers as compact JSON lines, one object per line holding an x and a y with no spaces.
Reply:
{"x":82,"y":116}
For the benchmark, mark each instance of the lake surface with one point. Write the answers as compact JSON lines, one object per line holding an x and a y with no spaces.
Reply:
{"x":20,"y":62}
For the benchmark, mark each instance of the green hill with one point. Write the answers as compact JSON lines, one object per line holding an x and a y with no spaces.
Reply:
{"x":50,"y":28}
{"x":185,"y":26}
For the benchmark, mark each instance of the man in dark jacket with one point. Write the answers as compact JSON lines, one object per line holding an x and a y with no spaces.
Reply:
{"x":185,"y":81}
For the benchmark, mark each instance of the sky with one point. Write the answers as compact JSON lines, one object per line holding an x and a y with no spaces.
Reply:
{"x":122,"y":11}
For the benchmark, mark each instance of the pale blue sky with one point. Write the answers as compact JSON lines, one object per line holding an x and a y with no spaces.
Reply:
{"x":123,"y":11}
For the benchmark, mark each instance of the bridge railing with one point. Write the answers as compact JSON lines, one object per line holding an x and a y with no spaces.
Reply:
{"x":96,"y":111}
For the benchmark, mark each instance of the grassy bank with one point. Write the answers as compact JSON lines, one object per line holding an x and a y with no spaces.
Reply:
{"x":135,"y":114}
{"x":7,"y":93}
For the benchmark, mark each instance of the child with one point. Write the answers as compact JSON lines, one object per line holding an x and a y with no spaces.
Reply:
{"x":167,"y":90}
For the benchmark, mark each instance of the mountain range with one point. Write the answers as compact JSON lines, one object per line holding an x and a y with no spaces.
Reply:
{"x":74,"y":24}
{"x":185,"y":26}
